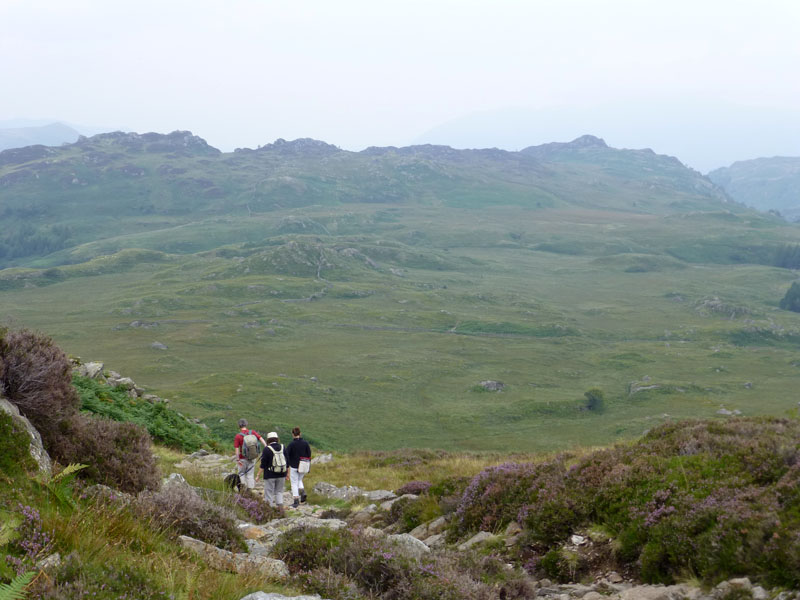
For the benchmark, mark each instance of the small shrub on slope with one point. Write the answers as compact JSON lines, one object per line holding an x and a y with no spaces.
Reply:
{"x":717,"y":498}
{"x":116,"y":454}
{"x":35,"y":376}
{"x":339,"y":564}
{"x":178,"y":508}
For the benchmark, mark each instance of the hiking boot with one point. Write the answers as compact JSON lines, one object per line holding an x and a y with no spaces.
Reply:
{"x":303,"y":497}
{"x":296,"y":503}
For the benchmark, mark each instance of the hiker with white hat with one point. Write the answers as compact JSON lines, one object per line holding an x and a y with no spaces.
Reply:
{"x":274,"y":461}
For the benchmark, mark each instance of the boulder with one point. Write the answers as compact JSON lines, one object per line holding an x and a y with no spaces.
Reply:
{"x":409,"y":546}
{"x":93,"y":370}
{"x":322,"y":459}
{"x":347,"y":492}
{"x":223,"y":560}
{"x":273,"y":596}
{"x":36,"y":447}
{"x":478,"y":538}
{"x":426,"y":530}
{"x":435,"y":541}
{"x":388,"y":503}
{"x":493,"y":386}
{"x":379,"y":495}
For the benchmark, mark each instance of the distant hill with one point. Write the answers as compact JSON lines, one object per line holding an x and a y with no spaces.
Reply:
{"x":53,"y":134}
{"x":764,"y":183}
{"x":82,"y":192}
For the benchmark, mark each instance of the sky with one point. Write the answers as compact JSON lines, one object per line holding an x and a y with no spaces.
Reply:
{"x":673,"y":75}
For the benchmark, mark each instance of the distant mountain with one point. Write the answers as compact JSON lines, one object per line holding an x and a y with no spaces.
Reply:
{"x":52,"y":134}
{"x":64,"y":195}
{"x":764,"y":183}
{"x":703,"y":135}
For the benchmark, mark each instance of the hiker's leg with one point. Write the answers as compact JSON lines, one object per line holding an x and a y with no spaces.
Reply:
{"x":294,"y":479}
{"x":279,"y":490}
{"x":300,"y":487}
{"x":269,"y":491}
{"x":248,"y":480}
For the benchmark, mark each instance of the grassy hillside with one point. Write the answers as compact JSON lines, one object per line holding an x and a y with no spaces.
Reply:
{"x":365,"y":296}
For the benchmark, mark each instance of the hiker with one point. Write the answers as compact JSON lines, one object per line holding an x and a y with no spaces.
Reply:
{"x":246,"y":451}
{"x":274,"y":463}
{"x":298,"y":453}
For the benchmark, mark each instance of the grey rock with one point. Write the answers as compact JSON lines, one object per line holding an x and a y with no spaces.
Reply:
{"x":725,"y":412}
{"x":36,"y":448}
{"x":379,"y":495}
{"x":274,"y":596}
{"x":347,"y":492}
{"x":435,"y":541}
{"x":479,"y":538}
{"x":426,"y":530}
{"x":493,"y":386}
{"x":759,"y":593}
{"x":322,"y":459}
{"x":388,"y":504}
{"x":175,"y":478}
{"x":51,"y":562}
{"x":409,"y":545}
{"x":159,"y":346}
{"x":93,"y":369}
{"x":223,"y":560}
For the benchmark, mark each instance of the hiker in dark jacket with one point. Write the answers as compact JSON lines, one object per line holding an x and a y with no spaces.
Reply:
{"x":275,"y":471}
{"x":298,"y":451}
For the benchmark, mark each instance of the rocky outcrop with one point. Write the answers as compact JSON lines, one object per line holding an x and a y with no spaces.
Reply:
{"x":38,"y":453}
{"x":223,"y":560}
{"x":265,"y":596}
{"x":349,"y":492}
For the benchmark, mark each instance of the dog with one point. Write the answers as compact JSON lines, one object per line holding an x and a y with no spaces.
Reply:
{"x":233,"y":482}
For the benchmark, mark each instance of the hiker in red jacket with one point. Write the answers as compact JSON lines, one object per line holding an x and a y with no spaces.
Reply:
{"x":247,"y":452}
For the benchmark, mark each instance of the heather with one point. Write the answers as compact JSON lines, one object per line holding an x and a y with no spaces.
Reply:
{"x":712,"y":498}
{"x":179,"y":509}
{"x":349,"y":564}
{"x":35,"y":375}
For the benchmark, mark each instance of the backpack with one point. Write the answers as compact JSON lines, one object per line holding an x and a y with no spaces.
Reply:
{"x":278,"y":461}
{"x":250,"y":449}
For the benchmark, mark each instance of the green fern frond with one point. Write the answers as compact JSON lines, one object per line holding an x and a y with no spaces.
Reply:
{"x":8,"y":527}
{"x":58,"y":485}
{"x":69,"y":470}
{"x":16,"y":589}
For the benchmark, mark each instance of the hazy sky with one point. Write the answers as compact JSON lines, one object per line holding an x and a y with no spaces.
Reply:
{"x":241,"y":73}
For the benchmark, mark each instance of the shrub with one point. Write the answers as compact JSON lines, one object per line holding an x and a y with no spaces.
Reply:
{"x":35,"y":376}
{"x":14,"y":443}
{"x":116,"y":454}
{"x":334,"y":562}
{"x":76,"y":580}
{"x":717,"y":498}
{"x":28,"y":541}
{"x":410,"y":513}
{"x":255,"y":508}
{"x":413,"y":487}
{"x":595,"y":400}
{"x":791,"y":301}
{"x":178,"y":508}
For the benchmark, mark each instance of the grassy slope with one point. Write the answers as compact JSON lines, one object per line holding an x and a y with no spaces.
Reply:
{"x":392,"y":372}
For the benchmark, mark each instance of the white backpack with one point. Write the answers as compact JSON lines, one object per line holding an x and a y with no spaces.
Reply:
{"x":278,"y":460}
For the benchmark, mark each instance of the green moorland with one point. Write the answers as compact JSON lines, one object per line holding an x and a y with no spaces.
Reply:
{"x":365,"y":296}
